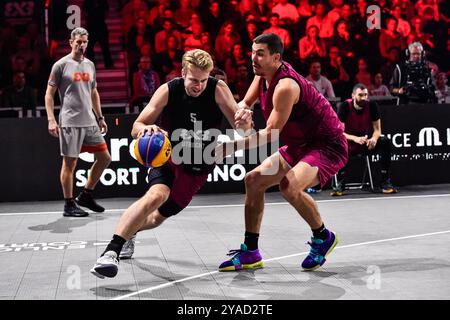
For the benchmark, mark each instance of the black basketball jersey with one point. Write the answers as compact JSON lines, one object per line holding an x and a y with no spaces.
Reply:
{"x":188,"y":120}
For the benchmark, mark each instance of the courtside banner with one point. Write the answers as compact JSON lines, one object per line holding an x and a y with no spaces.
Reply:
{"x":30,"y":159}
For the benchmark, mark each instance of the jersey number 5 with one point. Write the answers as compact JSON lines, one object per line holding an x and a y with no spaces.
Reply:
{"x":193,"y":117}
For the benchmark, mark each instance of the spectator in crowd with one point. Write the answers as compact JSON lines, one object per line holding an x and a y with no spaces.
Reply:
{"x":233,"y":13}
{"x":346,"y":16}
{"x":219,"y":74}
{"x":245,"y":6}
{"x":363,"y":75}
{"x":403,"y":27}
{"x":227,"y":37}
{"x":311,"y":45}
{"x":32,"y":60}
{"x":19,"y":64}
{"x":231,"y":64}
{"x":194,"y":40}
{"x":205,"y":39}
{"x":164,"y":60}
{"x":175,"y":73}
{"x":96,"y":11}
{"x":388,"y":65}
{"x":261,"y":10}
{"x":389,"y":38}
{"x":146,"y":51}
{"x":242,"y":82}
{"x":437,"y":32}
{"x":321,"y":83}
{"x":187,"y":32}
{"x":444,"y":11}
{"x":287,"y":12}
{"x":36,"y":40}
{"x":343,"y":40}
{"x":139,"y":33}
{"x":183,"y":14}
{"x":378,"y":88}
{"x":304,"y":9}
{"x":335,"y":13}
{"x":406,"y":6}
{"x":157,"y":14}
{"x":274,"y":20}
{"x":131,"y":12}
{"x":322,"y":21}
{"x":418,"y":35}
{"x":250,"y":33}
{"x":19,"y":94}
{"x":361,"y":119}
{"x":442,"y":90}
{"x":213,"y":18}
{"x":161,"y":36}
{"x":145,"y":82}
{"x":337,"y":74}
{"x":422,"y":5}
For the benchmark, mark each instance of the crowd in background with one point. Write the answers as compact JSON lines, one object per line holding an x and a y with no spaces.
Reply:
{"x":328,"y":42}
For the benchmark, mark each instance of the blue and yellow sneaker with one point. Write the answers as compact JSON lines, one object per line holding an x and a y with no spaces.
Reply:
{"x":242,"y":259}
{"x":320,"y":249}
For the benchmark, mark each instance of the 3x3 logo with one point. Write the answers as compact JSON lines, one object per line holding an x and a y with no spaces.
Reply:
{"x":81,"y":76}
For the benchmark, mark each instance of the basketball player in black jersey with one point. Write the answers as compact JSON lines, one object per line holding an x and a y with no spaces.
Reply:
{"x":182,"y":103}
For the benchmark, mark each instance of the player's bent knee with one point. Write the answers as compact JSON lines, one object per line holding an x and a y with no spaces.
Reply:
{"x":253,"y":181}
{"x":288,"y":190}
{"x":154,"y":199}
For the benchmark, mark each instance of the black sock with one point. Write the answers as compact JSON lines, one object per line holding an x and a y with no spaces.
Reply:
{"x":384,"y":175}
{"x":87,"y":191}
{"x":115,"y":245}
{"x":251,"y":240}
{"x":321,"y":233}
{"x":69,"y":201}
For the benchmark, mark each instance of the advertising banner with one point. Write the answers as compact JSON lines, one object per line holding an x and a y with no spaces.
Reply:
{"x":30,"y":161}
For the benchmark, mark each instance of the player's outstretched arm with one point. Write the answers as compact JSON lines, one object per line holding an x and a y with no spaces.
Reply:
{"x":286,"y":94}
{"x":238,"y":118}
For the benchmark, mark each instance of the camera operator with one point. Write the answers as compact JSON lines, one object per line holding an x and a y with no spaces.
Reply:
{"x":411,"y":80}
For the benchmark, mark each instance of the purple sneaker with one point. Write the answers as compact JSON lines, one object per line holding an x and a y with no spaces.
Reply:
{"x":242,"y":259}
{"x":319,"y":251}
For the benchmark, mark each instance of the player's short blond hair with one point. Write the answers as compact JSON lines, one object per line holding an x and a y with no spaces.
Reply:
{"x":197,"y":58}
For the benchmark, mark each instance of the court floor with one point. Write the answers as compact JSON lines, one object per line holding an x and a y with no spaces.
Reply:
{"x":391,"y":247}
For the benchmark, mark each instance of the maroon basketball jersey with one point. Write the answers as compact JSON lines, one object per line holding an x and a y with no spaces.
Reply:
{"x":312,"y":120}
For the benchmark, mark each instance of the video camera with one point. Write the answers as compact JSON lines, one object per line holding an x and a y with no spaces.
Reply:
{"x":418,"y":86}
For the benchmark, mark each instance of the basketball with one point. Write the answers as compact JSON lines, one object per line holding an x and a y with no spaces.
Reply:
{"x":152,"y":150}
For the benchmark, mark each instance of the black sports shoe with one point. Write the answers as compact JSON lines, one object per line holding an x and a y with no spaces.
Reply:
{"x":86,"y":200}
{"x":74,"y":211}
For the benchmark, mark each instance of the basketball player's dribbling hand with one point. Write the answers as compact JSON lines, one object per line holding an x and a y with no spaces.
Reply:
{"x":53,"y":128}
{"x":153,"y":128}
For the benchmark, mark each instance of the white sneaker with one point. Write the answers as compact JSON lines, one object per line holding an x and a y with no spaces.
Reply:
{"x":106,"y":266}
{"x":128,"y":248}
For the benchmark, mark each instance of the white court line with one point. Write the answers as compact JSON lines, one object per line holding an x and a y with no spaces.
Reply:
{"x":161,"y":286}
{"x":242,"y":204}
